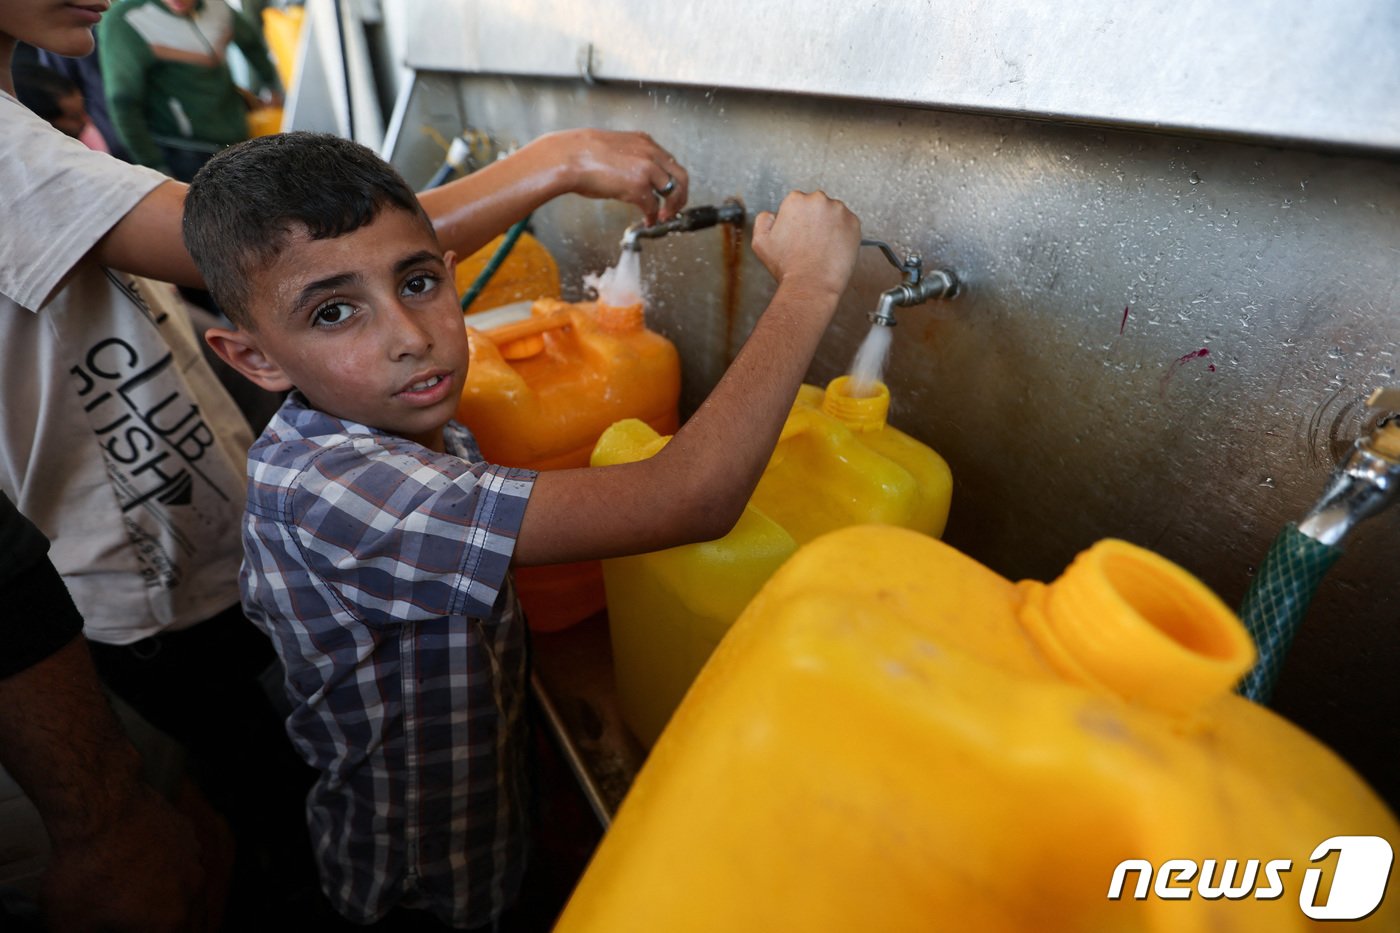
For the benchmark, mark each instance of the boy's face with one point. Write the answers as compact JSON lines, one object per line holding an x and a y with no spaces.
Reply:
{"x":366,"y":325}
{"x":62,"y":27}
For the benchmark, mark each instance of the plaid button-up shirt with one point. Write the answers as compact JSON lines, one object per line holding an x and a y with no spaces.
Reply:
{"x":380,"y":570}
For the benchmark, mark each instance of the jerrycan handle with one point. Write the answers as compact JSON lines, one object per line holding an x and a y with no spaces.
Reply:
{"x":523,"y":339}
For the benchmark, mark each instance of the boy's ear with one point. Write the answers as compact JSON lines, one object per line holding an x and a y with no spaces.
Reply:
{"x":238,"y":349}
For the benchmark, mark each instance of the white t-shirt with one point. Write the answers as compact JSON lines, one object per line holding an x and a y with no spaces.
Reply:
{"x":116,"y":438}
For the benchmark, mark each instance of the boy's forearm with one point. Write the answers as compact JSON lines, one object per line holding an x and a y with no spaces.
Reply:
{"x":469,"y":212}
{"x":696,"y":487}
{"x":733,"y":433}
{"x":147,"y":240}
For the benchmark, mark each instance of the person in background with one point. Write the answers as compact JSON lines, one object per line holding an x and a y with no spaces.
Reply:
{"x":122,"y":859}
{"x":166,"y":75}
{"x":117,"y":441}
{"x":58,"y":100}
{"x":85,"y":72}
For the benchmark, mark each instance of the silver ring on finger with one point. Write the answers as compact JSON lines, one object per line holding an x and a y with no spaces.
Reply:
{"x":666,"y":188}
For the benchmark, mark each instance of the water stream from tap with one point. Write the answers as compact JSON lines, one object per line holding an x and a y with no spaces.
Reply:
{"x":621,"y":285}
{"x":869,"y":364}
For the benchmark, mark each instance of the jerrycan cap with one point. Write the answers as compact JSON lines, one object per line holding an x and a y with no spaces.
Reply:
{"x":523,"y":349}
{"x":860,"y":414}
{"x":1128,"y":621}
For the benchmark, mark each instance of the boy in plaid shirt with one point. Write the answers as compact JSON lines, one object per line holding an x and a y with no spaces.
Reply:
{"x":378,"y":543}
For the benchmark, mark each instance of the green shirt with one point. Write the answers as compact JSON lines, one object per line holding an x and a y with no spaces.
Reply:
{"x":166,"y":76}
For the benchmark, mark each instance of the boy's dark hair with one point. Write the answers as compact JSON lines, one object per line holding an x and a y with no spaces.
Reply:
{"x":247,"y":200}
{"x":40,"y":89}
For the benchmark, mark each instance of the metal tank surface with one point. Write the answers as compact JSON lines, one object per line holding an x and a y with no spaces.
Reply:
{"x":1162,"y":338}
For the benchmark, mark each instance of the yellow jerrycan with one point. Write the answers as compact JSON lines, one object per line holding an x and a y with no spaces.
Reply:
{"x":528,"y":272}
{"x":894,"y":738}
{"x":837,"y":463}
{"x":539,"y":392}
{"x":282,"y":30}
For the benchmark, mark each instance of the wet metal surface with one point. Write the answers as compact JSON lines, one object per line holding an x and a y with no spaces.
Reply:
{"x":1163,"y":339}
{"x":1302,"y":71}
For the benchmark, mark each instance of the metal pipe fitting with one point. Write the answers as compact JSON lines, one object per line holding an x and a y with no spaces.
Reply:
{"x":1361,"y":487}
{"x":940,"y":283}
{"x":688,"y":220}
{"x":1279,"y":595}
{"x":916,"y":287}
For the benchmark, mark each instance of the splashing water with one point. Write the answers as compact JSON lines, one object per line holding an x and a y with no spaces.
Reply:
{"x":869,"y":364}
{"x":619,"y":286}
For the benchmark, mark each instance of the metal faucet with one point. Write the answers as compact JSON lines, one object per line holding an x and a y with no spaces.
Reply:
{"x":1365,"y":483}
{"x":916,"y":287}
{"x":1279,"y":594}
{"x":693,"y":218}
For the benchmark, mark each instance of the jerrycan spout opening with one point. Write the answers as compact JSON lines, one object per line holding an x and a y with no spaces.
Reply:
{"x":620,"y":320}
{"x":859,"y":413}
{"x":1134,"y":624}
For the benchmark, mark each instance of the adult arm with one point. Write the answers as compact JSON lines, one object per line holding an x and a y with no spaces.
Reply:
{"x":466,"y":213}
{"x":696,"y":487}
{"x":625,"y":166}
{"x":125,"y":58}
{"x":147,"y":240}
{"x":122,"y":859}
{"x":250,"y":42}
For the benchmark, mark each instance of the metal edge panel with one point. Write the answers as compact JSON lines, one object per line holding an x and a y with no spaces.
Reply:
{"x":1311,"y":71}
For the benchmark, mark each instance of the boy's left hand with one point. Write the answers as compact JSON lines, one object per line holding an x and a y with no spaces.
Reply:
{"x":626,"y":166}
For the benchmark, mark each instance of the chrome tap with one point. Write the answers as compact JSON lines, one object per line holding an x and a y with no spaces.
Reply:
{"x":916,"y":287}
{"x":693,"y":218}
{"x":1365,"y":483}
{"x":1279,"y":594}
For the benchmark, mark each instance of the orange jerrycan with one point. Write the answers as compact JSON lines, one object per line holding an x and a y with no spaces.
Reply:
{"x":837,"y":463}
{"x":894,"y":738}
{"x":540,"y":391}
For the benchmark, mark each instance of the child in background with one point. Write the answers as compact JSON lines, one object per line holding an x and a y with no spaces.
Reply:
{"x":58,"y":100}
{"x":378,"y":543}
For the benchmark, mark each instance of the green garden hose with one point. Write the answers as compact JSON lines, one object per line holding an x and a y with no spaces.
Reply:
{"x":1276,"y":602}
{"x":498,"y":257}
{"x":1278,"y":597}
{"x":461,"y":155}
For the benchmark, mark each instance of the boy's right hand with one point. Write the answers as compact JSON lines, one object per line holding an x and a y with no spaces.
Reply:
{"x":811,"y":242}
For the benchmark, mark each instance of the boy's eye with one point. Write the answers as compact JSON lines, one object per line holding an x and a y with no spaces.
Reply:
{"x":420,"y":284}
{"x":332,"y":313}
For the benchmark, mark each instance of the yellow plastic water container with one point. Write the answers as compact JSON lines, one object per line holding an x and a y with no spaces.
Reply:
{"x":540,"y":391}
{"x":264,"y":121}
{"x":837,"y":463}
{"x":282,"y":29}
{"x":528,"y":272}
{"x":894,"y":738}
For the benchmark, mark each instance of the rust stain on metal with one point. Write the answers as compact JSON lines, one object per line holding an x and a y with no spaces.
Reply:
{"x":732,"y":243}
